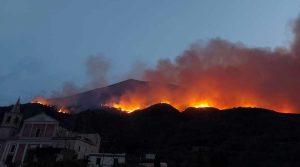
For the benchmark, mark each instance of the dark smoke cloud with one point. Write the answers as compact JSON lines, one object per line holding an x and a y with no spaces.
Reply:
{"x":231,"y":73}
{"x":135,"y":71}
{"x":97,"y":67}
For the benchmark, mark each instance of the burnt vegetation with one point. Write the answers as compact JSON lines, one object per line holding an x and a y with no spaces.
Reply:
{"x":194,"y":137}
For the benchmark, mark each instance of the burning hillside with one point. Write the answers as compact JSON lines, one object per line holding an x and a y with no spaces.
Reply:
{"x":131,"y":95}
{"x":109,"y":96}
{"x":45,"y":102}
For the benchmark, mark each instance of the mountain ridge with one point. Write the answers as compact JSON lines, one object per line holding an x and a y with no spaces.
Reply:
{"x":93,"y":99}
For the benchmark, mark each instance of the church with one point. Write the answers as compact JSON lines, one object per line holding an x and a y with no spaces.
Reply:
{"x":18,"y":136}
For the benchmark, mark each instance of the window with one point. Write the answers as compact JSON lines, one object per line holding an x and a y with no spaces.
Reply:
{"x":116,"y":161}
{"x":8,"y":119}
{"x":37,"y":133}
{"x":78,"y":148}
{"x":50,"y":130}
{"x":98,"y":161}
{"x":12,"y":148}
{"x":16,"y":121}
{"x":26,"y":130}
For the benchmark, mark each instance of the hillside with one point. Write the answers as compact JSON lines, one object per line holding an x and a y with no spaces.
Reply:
{"x":194,"y":137}
{"x":94,"y":98}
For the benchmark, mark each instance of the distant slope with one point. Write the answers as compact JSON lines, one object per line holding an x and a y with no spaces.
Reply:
{"x":94,"y":98}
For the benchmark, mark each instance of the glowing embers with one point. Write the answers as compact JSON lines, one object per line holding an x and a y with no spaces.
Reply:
{"x":43,"y":101}
{"x":201,"y":105}
{"x":40,"y":100}
{"x":126,"y":107}
{"x":63,"y":110}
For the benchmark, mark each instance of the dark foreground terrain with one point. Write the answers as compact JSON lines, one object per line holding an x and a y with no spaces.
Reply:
{"x":195,"y":137}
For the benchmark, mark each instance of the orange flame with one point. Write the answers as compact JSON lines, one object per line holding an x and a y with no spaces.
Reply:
{"x":126,"y":107}
{"x":43,"y":101}
{"x":181,"y":99}
{"x":40,"y":100}
{"x":63,"y":110}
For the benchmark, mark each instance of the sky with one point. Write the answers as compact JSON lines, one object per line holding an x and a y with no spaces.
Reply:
{"x":46,"y":43}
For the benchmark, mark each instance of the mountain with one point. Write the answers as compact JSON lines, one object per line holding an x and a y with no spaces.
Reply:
{"x":94,"y":98}
{"x":195,"y":137}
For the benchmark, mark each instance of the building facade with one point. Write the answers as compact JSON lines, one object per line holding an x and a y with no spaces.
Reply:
{"x":40,"y":131}
{"x":106,"y":160}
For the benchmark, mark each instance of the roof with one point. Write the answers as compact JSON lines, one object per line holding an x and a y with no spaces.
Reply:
{"x":42,"y":117}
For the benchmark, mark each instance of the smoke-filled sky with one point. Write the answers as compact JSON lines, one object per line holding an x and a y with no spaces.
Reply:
{"x":50,"y":46}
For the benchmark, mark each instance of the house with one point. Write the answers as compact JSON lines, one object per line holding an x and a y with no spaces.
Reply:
{"x":40,"y":131}
{"x":106,"y":159}
{"x":150,"y":159}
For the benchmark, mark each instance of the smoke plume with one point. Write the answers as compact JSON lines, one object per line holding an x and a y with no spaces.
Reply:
{"x":97,"y":67}
{"x":224,"y":74}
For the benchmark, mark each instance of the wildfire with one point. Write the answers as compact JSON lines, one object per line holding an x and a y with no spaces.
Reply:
{"x":201,"y":105}
{"x":127,"y":108}
{"x":133,"y":107}
{"x":40,"y":100}
{"x":139,"y":99}
{"x":43,"y":101}
{"x":63,"y":110}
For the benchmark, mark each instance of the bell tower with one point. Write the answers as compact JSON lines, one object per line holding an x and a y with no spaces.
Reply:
{"x":11,"y":121}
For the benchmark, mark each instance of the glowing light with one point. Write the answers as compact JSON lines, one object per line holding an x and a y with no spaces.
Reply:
{"x":63,"y":110}
{"x":38,"y":102}
{"x":41,"y":101}
{"x":127,"y":108}
{"x":165,"y":102}
{"x":202,"y":105}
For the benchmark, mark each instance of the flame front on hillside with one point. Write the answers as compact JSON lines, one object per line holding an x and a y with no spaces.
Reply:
{"x":131,"y":102}
{"x":45,"y":102}
{"x":182,"y":98}
{"x":40,"y":100}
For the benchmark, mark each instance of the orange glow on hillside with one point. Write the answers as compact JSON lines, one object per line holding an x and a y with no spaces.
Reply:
{"x":63,"y":110}
{"x":182,"y":99}
{"x":40,"y":100}
{"x":128,"y":108}
{"x":43,"y":101}
{"x":201,"y":105}
{"x":136,"y":100}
